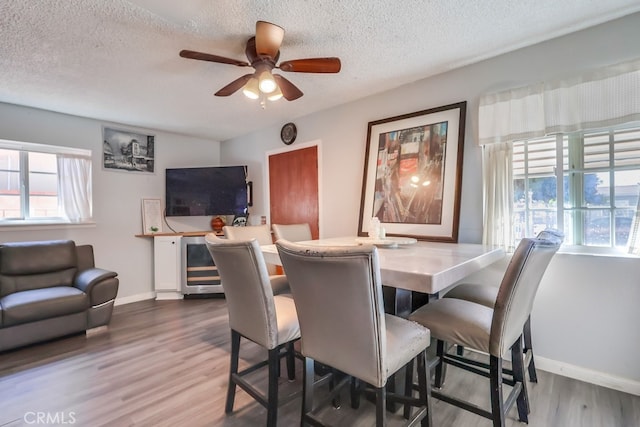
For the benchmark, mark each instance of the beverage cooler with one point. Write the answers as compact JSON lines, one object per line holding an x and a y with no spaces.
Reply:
{"x":199,"y":273}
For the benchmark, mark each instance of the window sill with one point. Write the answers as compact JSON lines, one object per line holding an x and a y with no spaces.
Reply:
{"x":42,"y":225}
{"x":596,"y":251}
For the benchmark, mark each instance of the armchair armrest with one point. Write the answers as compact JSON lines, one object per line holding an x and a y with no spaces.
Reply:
{"x":101,"y":285}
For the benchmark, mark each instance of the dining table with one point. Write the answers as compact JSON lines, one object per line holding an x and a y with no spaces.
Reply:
{"x":412,"y":271}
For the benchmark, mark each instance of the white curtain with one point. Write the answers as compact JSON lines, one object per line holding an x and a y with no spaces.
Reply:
{"x":634,"y":235}
{"x":497,"y":184}
{"x":602,"y":98}
{"x":74,"y":187}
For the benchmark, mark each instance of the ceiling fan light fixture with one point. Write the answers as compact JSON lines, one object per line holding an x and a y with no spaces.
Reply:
{"x":267,"y":83}
{"x":275,"y":95}
{"x":251,"y":89}
{"x":263,"y":55}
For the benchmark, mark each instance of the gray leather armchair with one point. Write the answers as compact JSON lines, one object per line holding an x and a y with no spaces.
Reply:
{"x":50,"y":289}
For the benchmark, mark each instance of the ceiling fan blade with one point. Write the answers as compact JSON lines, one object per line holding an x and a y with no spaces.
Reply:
{"x":212,"y":58}
{"x":289,"y":91}
{"x":268,"y":38}
{"x":312,"y":65}
{"x":234,"y":85}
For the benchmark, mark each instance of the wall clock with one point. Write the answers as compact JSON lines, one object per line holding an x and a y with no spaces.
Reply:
{"x":288,"y":133}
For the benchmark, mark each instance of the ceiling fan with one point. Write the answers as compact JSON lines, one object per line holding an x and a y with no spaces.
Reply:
{"x":263,"y":52}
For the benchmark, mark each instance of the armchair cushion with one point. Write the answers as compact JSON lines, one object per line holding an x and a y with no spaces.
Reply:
{"x":457,"y":321}
{"x":405,"y":339}
{"x":37,"y":257}
{"x":38,"y":304}
{"x":35,"y":265}
{"x":480,"y":294}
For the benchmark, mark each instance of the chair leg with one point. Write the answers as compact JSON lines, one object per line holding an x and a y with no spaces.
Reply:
{"x":495,"y":379}
{"x":440,"y":367}
{"x":424,"y":387}
{"x":355,"y":393}
{"x":336,"y":402}
{"x":233,"y":370}
{"x":408,"y":388}
{"x":381,"y":407}
{"x":291,"y":361}
{"x":528,"y":347}
{"x":307,"y":388}
{"x":518,"y":376}
{"x":272,"y":399}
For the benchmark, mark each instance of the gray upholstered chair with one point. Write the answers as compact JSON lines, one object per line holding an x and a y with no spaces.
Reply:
{"x":495,"y":331}
{"x":486,"y":295}
{"x":256,"y":314}
{"x":262,"y":234}
{"x":339,"y":301}
{"x":292,"y":232}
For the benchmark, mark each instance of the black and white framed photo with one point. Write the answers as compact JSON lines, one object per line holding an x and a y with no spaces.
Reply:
{"x":127,"y":150}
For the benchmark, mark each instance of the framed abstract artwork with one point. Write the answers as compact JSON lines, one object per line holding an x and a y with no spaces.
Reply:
{"x":413,"y":174}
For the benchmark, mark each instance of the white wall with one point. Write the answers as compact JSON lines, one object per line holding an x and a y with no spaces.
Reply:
{"x":116,"y":195}
{"x":581,"y":319}
{"x":585,"y":318}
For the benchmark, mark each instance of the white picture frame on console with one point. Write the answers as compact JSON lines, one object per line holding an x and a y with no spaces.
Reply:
{"x":151,"y":216}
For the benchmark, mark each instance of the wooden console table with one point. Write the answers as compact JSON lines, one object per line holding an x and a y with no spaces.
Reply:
{"x":184,"y":233}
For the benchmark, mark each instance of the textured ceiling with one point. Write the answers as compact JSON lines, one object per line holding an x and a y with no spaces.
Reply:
{"x":118,"y":60}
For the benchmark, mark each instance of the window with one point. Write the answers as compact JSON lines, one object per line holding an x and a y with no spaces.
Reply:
{"x":44,"y":184}
{"x":585,"y":183}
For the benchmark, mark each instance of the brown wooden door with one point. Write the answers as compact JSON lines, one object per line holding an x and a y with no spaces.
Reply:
{"x":293,"y":188}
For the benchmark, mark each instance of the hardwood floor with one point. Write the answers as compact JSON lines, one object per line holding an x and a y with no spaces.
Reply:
{"x":165,"y":363}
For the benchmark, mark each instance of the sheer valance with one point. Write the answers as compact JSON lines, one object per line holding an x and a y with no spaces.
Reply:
{"x":602,"y":98}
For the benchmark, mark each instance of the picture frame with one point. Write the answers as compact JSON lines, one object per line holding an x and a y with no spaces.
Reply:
{"x":413,"y":174}
{"x":125,"y":150}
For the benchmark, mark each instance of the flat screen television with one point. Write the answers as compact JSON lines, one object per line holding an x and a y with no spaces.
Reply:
{"x":206,"y":191}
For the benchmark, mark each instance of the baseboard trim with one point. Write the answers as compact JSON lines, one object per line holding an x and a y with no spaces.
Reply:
{"x":161,"y":296}
{"x":135,"y":298}
{"x":587,"y":375}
